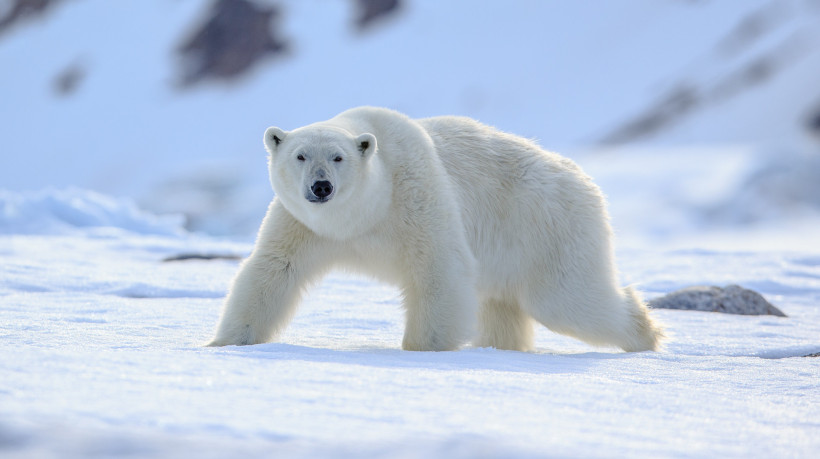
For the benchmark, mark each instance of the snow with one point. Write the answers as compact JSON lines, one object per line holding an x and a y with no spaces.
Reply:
{"x":101,"y":355}
{"x":101,"y":340}
{"x":58,"y":211}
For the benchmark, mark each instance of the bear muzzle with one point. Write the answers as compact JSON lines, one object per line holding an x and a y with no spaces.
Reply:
{"x":320,"y":191}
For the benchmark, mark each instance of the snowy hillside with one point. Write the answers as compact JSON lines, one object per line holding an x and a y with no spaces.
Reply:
{"x":92,"y":97}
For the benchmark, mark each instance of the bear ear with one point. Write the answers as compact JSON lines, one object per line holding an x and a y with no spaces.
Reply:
{"x":273,"y":137}
{"x":366,"y":143}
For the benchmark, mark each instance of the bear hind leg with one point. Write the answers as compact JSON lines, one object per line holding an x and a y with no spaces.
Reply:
{"x":648,"y":334}
{"x":601,"y":318}
{"x":504,"y":325}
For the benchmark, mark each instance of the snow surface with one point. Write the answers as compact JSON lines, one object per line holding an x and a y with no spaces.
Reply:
{"x":100,"y":340}
{"x":101,"y":355}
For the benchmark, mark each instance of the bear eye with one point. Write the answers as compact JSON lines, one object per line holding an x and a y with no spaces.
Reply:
{"x":337,"y":159}
{"x":300,"y":158}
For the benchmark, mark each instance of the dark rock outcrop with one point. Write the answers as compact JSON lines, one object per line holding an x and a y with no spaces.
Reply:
{"x":235,"y":35}
{"x":67,"y":81}
{"x":732,"y":299}
{"x":813,"y":122}
{"x":23,"y":9}
{"x":201,"y":257}
{"x":371,"y":11}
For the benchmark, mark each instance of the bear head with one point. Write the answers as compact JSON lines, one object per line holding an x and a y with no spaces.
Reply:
{"x":315,"y":170}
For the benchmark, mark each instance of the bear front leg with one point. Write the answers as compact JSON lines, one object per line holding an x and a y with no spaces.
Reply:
{"x":440,"y":302}
{"x":267,"y":289}
{"x":261,"y":302}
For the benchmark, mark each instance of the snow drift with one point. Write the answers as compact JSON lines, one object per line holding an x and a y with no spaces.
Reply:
{"x":53,"y":211}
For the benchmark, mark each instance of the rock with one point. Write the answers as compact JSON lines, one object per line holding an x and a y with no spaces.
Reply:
{"x":813,"y":123}
{"x":201,"y":256}
{"x":732,"y":299}
{"x":67,"y":81}
{"x":15,"y":11}
{"x":235,"y":35}
{"x":669,"y":109}
{"x":371,"y":11}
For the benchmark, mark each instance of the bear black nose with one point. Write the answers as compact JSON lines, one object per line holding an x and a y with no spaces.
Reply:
{"x":322,"y":189}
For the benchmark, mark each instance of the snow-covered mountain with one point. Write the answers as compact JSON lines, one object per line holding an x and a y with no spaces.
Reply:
{"x":165,"y":101}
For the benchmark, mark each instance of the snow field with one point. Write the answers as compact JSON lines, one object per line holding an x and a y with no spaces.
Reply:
{"x":101,"y":354}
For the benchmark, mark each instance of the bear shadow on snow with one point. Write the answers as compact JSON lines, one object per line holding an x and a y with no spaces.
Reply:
{"x":469,"y":359}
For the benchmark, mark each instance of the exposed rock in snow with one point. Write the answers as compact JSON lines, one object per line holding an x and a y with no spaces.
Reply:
{"x":235,"y":36}
{"x":813,"y":122}
{"x":201,"y":257}
{"x":370,"y":11}
{"x":16,"y":10}
{"x":67,"y":81}
{"x":732,"y":299}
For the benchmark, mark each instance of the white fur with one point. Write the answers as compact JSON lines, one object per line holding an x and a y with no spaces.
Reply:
{"x":468,"y":221}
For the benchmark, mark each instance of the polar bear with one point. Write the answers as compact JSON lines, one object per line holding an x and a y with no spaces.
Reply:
{"x":472,"y":224}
